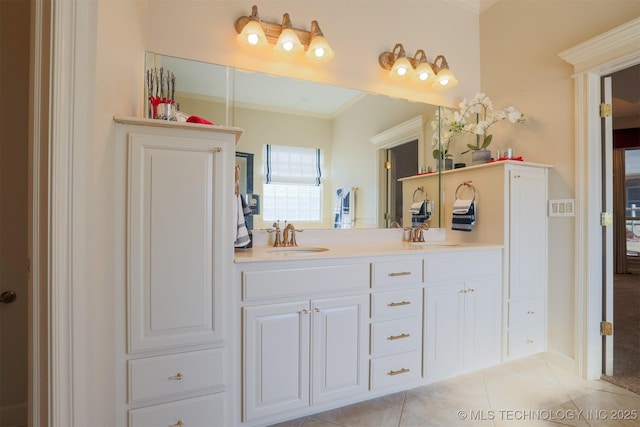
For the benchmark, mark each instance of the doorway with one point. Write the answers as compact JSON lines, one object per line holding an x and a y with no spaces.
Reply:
{"x":14,"y":145}
{"x":625,"y":256}
{"x":401,"y":163}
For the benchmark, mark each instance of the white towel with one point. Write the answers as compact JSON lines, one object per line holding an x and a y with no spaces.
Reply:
{"x":461,"y":206}
{"x":415,"y":208}
{"x":242,"y":238}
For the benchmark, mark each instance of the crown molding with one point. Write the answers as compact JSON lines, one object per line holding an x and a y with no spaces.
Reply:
{"x":475,"y":6}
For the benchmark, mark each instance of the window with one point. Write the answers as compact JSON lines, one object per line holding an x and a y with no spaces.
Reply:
{"x":292,"y":190}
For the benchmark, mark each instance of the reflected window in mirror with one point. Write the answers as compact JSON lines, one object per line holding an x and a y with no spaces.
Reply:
{"x":292,"y":189}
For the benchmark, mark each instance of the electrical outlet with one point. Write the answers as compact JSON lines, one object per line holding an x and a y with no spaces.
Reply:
{"x":562,"y":207}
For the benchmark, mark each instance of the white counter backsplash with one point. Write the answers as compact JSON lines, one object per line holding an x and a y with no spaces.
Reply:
{"x":356,"y":235}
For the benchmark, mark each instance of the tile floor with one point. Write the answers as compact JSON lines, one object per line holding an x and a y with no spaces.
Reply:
{"x":526,"y":392}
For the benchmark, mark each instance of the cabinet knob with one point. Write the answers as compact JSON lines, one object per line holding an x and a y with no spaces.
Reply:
{"x":317,"y":310}
{"x":305,"y":311}
{"x":179,"y":423}
{"x":177,"y":377}
{"x":471,"y":290}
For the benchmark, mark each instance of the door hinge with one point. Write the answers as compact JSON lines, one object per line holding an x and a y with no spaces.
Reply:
{"x":605,"y":110}
{"x":606,"y":219}
{"x":606,"y":328}
{"x":387,"y":165}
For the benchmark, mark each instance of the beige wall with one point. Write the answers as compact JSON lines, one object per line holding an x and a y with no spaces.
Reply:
{"x":521,"y":37}
{"x":519,"y":46}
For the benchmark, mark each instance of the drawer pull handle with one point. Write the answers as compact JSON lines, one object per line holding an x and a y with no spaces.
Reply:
{"x":471,"y":290}
{"x":317,"y":310}
{"x":531,"y":312}
{"x":398,"y":337}
{"x":400,"y":273}
{"x":177,"y":377}
{"x":529,"y":341}
{"x":398,"y":372}
{"x":396,"y":304}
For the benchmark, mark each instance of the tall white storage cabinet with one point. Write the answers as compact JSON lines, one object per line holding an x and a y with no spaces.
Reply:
{"x":176,"y":196}
{"x":525,"y":306}
{"x":511,"y":211}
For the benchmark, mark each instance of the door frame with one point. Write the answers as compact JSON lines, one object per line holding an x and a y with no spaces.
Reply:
{"x":609,"y":52}
{"x":410,"y":130}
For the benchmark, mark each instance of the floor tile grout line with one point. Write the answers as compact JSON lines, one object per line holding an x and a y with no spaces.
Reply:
{"x":404,"y":399}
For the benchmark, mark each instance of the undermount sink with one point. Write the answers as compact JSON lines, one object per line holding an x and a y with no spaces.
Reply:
{"x":296,"y":250}
{"x":434,"y":243}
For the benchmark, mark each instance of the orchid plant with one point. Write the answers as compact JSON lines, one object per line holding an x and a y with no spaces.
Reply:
{"x":481,"y":107}
{"x":442,"y":133}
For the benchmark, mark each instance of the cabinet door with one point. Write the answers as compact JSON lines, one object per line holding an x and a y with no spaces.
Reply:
{"x":276,"y":364}
{"x":444,"y":317}
{"x":482,"y":323}
{"x":171,"y":242}
{"x":528,"y":232}
{"x":339,"y":347}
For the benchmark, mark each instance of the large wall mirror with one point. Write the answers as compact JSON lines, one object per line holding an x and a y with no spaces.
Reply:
{"x":359,"y":136}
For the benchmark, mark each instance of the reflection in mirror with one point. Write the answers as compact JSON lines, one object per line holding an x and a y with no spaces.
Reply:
{"x":361,"y":136}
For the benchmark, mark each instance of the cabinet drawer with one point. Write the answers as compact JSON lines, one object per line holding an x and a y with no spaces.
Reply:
{"x":163,"y":376}
{"x":397,"y":273}
{"x":407,"y":302}
{"x":525,"y":341}
{"x":302,"y":281}
{"x":526,"y":312}
{"x":396,"y":369}
{"x":199,"y":411}
{"x":466,"y":265}
{"x":395,"y":336}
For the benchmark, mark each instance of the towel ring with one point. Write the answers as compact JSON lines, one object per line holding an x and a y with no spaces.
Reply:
{"x":466,"y":184}
{"x":420,"y":189}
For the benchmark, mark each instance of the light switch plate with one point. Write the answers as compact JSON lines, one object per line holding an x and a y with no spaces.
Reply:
{"x":562,"y":207}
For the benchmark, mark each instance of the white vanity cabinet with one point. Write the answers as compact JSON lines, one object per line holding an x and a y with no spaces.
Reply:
{"x":462,"y":312}
{"x":396,"y":323}
{"x":525,"y":297}
{"x":175,"y":189}
{"x":511,"y":211}
{"x":304,"y":352}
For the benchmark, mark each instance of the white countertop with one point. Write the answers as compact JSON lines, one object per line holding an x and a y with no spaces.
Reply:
{"x":346,"y":250}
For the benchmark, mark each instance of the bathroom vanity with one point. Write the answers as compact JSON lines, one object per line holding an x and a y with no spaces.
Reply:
{"x":263,"y":335}
{"x":322,"y":329}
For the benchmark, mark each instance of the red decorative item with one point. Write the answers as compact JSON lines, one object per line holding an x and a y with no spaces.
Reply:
{"x":196,"y":119}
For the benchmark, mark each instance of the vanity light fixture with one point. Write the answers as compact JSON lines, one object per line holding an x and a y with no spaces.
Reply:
{"x":418,"y":69}
{"x":287,"y":40}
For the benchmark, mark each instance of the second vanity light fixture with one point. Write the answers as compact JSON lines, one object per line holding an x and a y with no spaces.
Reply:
{"x":288,"y":41}
{"x":418,"y":68}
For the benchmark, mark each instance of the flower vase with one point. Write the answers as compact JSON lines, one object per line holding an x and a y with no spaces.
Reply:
{"x":479,"y":157}
{"x":445,"y":164}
